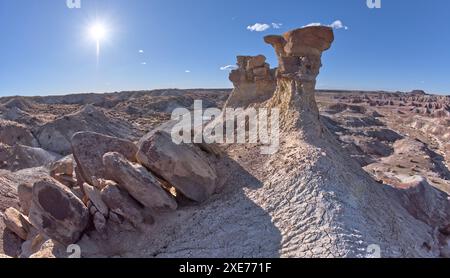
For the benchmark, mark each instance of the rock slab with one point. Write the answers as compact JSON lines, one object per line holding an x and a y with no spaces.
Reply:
{"x":138,"y":182}
{"x":184,"y":166}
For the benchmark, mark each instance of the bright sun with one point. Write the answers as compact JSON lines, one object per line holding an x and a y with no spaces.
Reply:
{"x":97,"y":31}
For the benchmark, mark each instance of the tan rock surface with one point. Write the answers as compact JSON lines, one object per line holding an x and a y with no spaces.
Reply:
{"x":17,"y":223}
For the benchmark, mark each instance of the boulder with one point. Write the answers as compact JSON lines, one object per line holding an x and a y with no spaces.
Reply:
{"x":120,"y":202}
{"x":17,"y":223}
{"x":95,"y":197}
{"x":89,"y":148}
{"x":63,"y":171}
{"x":185,"y":167}
{"x":138,"y":182}
{"x":56,"y":212}
{"x":64,"y":166}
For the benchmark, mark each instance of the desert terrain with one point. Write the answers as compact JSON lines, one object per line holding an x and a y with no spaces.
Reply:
{"x":355,"y":168}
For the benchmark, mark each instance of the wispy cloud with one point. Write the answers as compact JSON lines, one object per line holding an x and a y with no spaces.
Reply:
{"x":261,"y":27}
{"x":258,"y":27}
{"x":141,"y":51}
{"x":144,"y":63}
{"x":187,"y":71}
{"x":228,"y":67}
{"x":335,"y":25}
{"x":277,"y":25}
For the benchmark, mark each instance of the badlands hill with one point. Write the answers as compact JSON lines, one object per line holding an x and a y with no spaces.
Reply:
{"x":354,"y":172}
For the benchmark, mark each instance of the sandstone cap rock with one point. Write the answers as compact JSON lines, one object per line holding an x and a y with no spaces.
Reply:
{"x":304,"y":41}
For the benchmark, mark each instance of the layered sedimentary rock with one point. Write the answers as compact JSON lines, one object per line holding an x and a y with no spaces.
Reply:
{"x":253,"y":81}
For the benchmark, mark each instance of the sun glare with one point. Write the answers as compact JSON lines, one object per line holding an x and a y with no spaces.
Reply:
{"x":97,"y":31}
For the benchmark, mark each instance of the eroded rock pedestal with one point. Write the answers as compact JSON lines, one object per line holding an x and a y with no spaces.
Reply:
{"x":299,"y":55}
{"x":253,"y":81}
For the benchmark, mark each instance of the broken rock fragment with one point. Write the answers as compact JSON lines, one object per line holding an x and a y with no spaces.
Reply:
{"x":95,"y":197}
{"x":17,"y":223}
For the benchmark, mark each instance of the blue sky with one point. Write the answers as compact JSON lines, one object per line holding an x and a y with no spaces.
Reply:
{"x":45,"y":49}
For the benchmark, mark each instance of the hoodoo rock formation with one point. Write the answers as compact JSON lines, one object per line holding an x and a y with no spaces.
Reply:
{"x":253,"y":81}
{"x":299,"y":55}
{"x":161,"y":199}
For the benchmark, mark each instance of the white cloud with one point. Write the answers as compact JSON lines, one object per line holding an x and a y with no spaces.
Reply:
{"x":144,"y":63}
{"x":277,"y":25}
{"x":141,"y":51}
{"x":228,"y":67}
{"x":338,"y":25}
{"x":335,"y":25}
{"x":187,"y":71}
{"x":258,"y":27}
